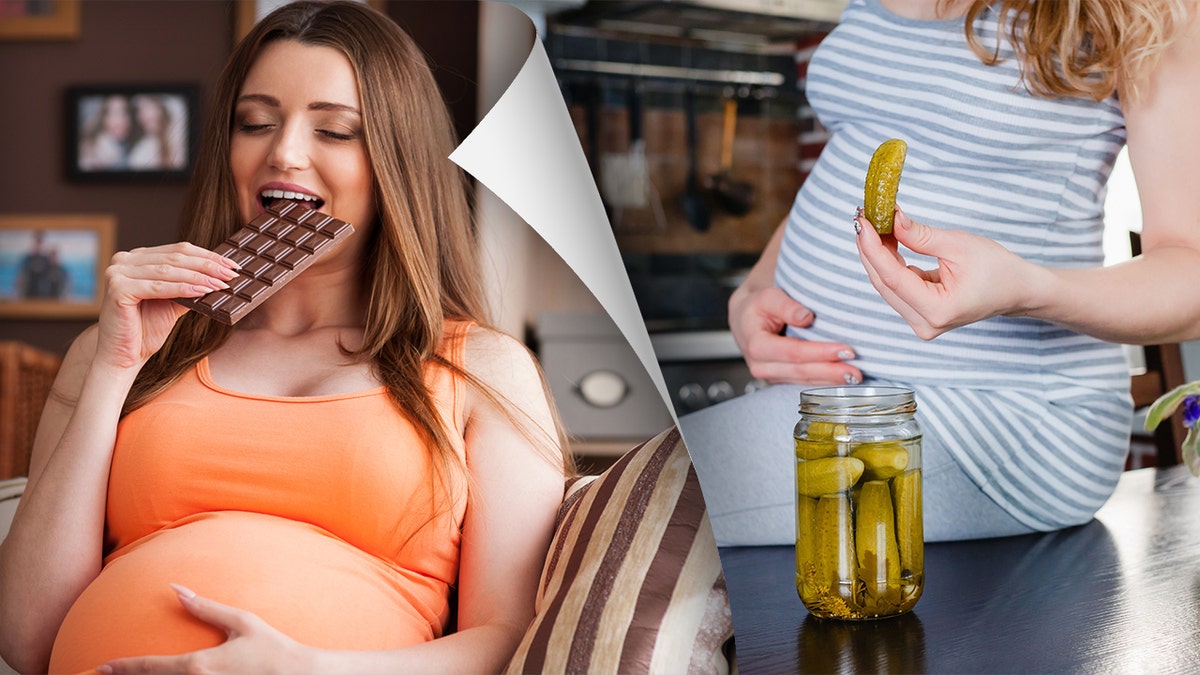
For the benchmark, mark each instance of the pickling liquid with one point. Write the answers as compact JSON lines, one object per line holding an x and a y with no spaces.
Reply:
{"x":859,"y":536}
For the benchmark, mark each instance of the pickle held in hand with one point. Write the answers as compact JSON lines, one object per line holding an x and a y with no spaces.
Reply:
{"x":882,"y":184}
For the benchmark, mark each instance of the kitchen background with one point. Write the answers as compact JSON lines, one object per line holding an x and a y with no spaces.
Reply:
{"x":691,"y":114}
{"x":693,"y":118}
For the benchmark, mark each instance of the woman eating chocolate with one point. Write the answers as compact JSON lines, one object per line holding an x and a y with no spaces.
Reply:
{"x":301,"y":491}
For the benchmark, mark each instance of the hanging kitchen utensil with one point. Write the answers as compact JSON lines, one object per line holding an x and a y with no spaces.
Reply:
{"x":623,"y":174}
{"x":695,"y":199}
{"x":593,"y":95}
{"x":732,"y":196}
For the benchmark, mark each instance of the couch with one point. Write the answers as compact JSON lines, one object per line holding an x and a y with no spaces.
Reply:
{"x":632,"y":582}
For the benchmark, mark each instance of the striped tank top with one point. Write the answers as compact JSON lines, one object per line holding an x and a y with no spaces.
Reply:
{"x":1037,"y":414}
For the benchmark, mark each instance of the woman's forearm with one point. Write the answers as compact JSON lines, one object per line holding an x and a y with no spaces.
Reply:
{"x":1147,"y":300}
{"x":55,"y":546}
{"x":481,"y":649}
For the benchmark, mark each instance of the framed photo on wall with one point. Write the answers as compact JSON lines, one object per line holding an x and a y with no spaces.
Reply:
{"x":39,"y":19}
{"x":131,"y":132}
{"x":52,"y":266}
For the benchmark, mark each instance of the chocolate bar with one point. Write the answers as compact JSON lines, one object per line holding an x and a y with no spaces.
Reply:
{"x":272,"y":249}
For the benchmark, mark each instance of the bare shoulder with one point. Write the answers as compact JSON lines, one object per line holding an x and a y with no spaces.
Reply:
{"x":499,"y":359}
{"x":511,"y":423}
{"x":509,"y":370}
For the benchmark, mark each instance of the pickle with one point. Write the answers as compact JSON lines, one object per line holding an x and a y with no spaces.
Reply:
{"x":827,"y":475}
{"x":875,"y":536}
{"x":883,"y":181}
{"x":825,"y":431}
{"x":820,"y":440}
{"x":835,"y":543}
{"x":881,"y":460}
{"x":815,"y":449}
{"x":806,"y":532}
{"x":910,"y":530}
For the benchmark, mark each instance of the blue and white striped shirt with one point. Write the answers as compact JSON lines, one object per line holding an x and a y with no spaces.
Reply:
{"x":1037,"y":414}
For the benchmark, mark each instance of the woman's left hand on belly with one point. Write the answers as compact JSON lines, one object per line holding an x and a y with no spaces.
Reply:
{"x":976,"y":278}
{"x":252,"y":646}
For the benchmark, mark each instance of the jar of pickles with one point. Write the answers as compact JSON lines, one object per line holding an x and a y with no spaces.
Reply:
{"x":859,"y":537}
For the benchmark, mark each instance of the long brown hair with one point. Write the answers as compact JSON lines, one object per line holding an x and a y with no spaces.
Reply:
{"x":421,"y":266}
{"x":1089,"y":48}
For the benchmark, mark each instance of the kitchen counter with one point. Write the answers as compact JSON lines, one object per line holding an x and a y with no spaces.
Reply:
{"x":1120,"y":594}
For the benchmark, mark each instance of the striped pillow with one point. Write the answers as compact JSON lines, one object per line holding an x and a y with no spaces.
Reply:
{"x":632,"y":583}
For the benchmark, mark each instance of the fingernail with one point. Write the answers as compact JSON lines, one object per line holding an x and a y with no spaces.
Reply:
{"x":232,"y":263}
{"x":104,"y":669}
{"x":183,"y":591}
{"x":220,"y":285}
{"x":202,"y":289}
{"x":845,"y":354}
{"x":850,"y":379}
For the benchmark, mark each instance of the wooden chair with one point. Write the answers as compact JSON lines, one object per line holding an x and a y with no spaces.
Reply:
{"x":26,"y":374}
{"x":1164,"y":372}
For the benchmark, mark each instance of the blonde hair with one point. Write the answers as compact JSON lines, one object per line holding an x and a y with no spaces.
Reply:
{"x":421,"y":266}
{"x":1090,"y":48}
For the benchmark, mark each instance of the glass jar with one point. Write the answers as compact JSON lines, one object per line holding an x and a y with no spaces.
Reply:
{"x":860,"y":550}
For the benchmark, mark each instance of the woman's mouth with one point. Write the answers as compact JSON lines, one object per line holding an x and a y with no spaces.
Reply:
{"x":268,"y":197}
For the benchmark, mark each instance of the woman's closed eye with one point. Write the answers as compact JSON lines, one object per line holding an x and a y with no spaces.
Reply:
{"x":250,"y":122}
{"x":248,"y":128}
{"x":338,"y":135}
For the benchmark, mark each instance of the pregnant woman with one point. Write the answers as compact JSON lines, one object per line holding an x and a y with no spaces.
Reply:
{"x":995,"y":306}
{"x":300,"y":492}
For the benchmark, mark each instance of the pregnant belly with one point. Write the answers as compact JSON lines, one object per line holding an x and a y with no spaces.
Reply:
{"x":315,"y":588}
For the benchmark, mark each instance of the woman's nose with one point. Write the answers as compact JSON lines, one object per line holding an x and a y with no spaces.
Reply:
{"x":290,"y":150}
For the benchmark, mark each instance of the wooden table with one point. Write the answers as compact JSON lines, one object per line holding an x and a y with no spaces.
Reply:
{"x":1120,"y":594}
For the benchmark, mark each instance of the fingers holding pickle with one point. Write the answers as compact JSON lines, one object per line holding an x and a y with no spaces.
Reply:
{"x":961,"y":288}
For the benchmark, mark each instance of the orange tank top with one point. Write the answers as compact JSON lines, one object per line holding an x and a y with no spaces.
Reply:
{"x":324,"y":515}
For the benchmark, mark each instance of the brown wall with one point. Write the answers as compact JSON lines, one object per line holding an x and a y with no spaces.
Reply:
{"x":131,"y":42}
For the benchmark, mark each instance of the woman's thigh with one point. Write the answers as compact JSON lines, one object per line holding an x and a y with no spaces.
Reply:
{"x":744,"y":456}
{"x":954,"y":506}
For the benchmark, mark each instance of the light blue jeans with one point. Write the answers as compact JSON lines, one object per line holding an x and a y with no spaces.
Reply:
{"x":744,"y":456}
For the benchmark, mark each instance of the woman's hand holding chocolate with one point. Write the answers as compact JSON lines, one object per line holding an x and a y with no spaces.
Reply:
{"x":137,"y":313}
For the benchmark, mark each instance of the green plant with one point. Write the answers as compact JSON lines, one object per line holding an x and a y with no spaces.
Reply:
{"x":1188,"y":396}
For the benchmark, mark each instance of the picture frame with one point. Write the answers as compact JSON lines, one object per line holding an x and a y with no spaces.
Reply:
{"x":40,"y":20}
{"x":131,"y":132}
{"x":52,"y":265}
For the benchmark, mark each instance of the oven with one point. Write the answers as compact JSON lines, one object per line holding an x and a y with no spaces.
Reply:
{"x":702,"y":368}
{"x":684,"y":301}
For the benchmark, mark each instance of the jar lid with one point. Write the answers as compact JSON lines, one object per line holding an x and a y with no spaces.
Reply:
{"x":863,"y":401}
